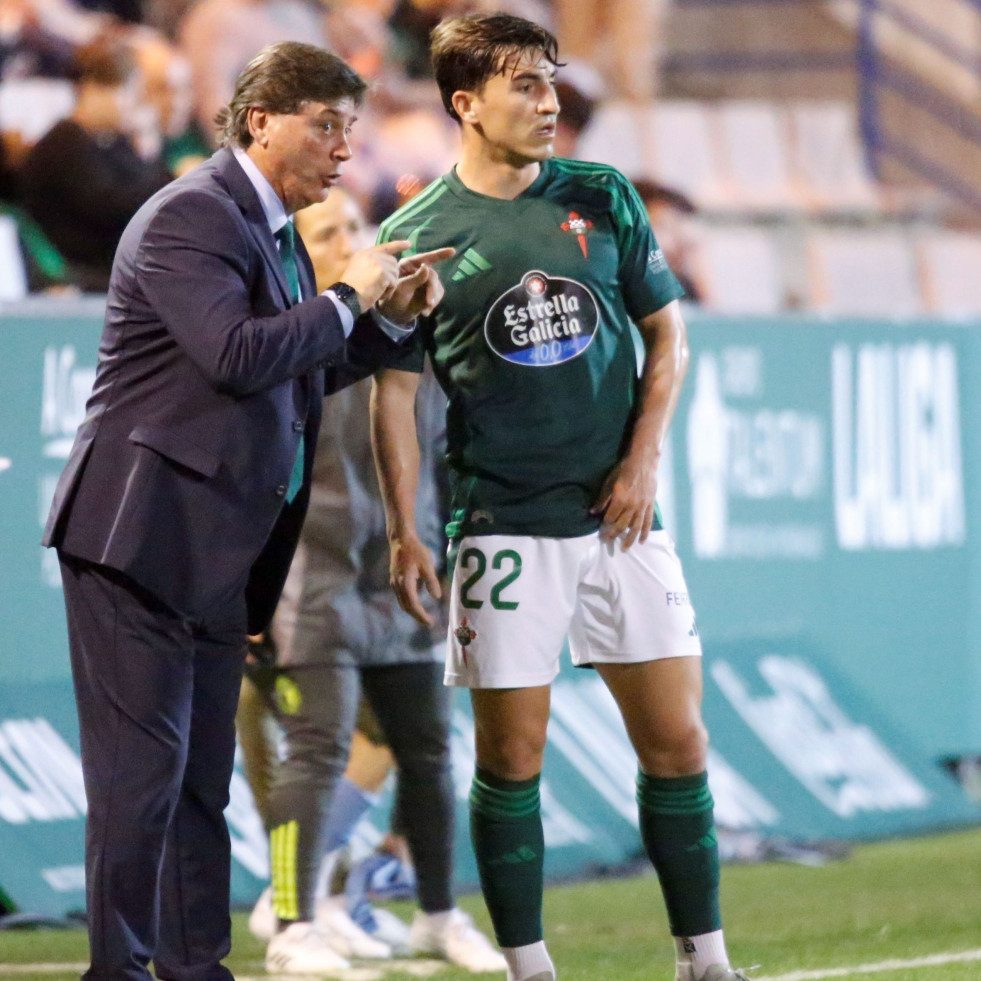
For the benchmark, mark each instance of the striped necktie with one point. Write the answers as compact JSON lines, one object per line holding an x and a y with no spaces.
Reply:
{"x":286,"y":238}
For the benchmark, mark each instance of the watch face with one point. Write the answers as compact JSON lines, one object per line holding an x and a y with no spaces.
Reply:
{"x":348,"y":295}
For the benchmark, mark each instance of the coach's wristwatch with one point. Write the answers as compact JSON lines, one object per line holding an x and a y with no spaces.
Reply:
{"x":348,"y":295}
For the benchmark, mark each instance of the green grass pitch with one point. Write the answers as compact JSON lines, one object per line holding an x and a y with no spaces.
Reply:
{"x":898,"y":901}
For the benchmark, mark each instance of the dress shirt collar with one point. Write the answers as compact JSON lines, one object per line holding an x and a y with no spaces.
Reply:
{"x":271,"y":205}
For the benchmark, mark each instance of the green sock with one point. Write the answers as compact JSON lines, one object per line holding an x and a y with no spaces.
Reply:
{"x":509,"y":845}
{"x":678,"y":831}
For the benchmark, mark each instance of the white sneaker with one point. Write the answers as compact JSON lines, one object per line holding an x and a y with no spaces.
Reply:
{"x":383,"y":925}
{"x":453,"y":937}
{"x":302,"y":949}
{"x":262,"y":919}
{"x":722,"y":972}
{"x":344,"y":935}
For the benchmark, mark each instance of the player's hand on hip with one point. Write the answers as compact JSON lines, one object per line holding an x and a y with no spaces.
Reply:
{"x":418,"y":289}
{"x":374,"y":272}
{"x":411,"y":565}
{"x":626,"y":501}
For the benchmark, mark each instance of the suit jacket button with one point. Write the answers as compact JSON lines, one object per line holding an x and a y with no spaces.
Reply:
{"x":297,"y":426}
{"x":281,"y":490}
{"x":330,"y":363}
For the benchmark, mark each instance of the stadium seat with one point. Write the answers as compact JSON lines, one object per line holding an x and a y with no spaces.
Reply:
{"x":951,"y":267}
{"x":863,"y":273}
{"x":826,"y":157}
{"x":755,"y":156}
{"x":686,"y":152}
{"x":612,"y":138}
{"x":740,"y":271}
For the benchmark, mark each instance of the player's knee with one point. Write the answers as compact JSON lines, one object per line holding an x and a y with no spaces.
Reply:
{"x":511,"y":755}
{"x":677,"y":751}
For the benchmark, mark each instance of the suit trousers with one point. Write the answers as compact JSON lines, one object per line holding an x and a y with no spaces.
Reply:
{"x":156,"y":696}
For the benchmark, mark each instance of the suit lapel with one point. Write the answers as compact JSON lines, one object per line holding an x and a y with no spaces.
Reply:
{"x":243,"y":194}
{"x":308,"y":282}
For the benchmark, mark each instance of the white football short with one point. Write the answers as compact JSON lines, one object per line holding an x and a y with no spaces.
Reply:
{"x":515,"y":598}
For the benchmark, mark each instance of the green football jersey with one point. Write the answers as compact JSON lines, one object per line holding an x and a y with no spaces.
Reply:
{"x":532,"y":342}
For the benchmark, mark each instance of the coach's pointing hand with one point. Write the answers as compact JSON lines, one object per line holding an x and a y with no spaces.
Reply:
{"x":374,"y":272}
{"x":418,"y":289}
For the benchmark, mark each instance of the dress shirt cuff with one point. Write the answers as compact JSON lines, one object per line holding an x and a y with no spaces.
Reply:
{"x":343,"y":311}
{"x":396,"y":332}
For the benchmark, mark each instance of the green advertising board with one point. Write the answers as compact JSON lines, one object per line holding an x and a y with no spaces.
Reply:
{"x":819,"y":481}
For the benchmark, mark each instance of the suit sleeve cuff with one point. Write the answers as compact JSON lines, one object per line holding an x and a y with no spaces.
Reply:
{"x":347,"y":318}
{"x":396,"y":332}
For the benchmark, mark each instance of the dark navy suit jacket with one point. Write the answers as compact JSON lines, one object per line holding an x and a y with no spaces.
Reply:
{"x":207,"y":380}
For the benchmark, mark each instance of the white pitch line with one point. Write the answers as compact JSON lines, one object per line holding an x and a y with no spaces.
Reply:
{"x":420,"y":967}
{"x":878,"y":968}
{"x":424,"y":968}
{"x":63,"y":968}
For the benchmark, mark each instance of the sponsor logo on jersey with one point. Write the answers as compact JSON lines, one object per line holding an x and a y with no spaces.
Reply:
{"x":542,"y":321}
{"x":578,"y":226}
{"x":656,"y":260}
{"x":471,"y":263}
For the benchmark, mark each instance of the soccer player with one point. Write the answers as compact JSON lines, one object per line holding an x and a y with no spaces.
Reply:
{"x":554,"y":445}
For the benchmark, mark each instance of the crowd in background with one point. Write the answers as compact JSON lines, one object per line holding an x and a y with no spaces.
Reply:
{"x":104,"y":101}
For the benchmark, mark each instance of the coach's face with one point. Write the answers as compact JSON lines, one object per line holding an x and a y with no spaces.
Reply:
{"x":301,"y":154}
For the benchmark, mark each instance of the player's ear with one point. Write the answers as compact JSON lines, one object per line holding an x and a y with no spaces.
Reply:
{"x":463,"y":104}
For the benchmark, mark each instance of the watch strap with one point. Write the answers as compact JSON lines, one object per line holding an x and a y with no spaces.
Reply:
{"x":348,"y":295}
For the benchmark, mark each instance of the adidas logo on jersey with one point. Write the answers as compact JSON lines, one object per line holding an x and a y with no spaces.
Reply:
{"x":471,"y":263}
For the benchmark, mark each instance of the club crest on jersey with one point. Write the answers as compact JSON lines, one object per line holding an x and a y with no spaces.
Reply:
{"x":578,"y":226}
{"x":465,"y":634}
{"x":542,"y":321}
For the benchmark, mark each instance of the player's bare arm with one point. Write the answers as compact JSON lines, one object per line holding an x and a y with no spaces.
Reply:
{"x":396,"y":449}
{"x":626,"y":499}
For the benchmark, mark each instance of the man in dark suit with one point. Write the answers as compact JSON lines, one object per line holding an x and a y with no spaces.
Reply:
{"x":179,"y":509}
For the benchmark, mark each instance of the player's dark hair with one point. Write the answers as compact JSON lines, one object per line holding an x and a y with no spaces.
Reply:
{"x":280,"y":79}
{"x":467,"y":51}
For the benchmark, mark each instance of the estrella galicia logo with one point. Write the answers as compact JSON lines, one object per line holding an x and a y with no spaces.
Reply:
{"x":542,"y":321}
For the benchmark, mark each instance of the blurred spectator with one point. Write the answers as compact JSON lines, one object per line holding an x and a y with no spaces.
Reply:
{"x":44,"y":267}
{"x":413,"y":20}
{"x":671,"y":215}
{"x":126,"y":11}
{"x":84,"y":180}
{"x":359,"y":33}
{"x":622,"y":39}
{"x":169,"y":92}
{"x":27,"y":47}
{"x":220,"y":37}
{"x":576,"y":109}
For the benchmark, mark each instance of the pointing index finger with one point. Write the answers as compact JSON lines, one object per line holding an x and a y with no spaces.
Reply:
{"x":392,"y":248}
{"x":413,"y":262}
